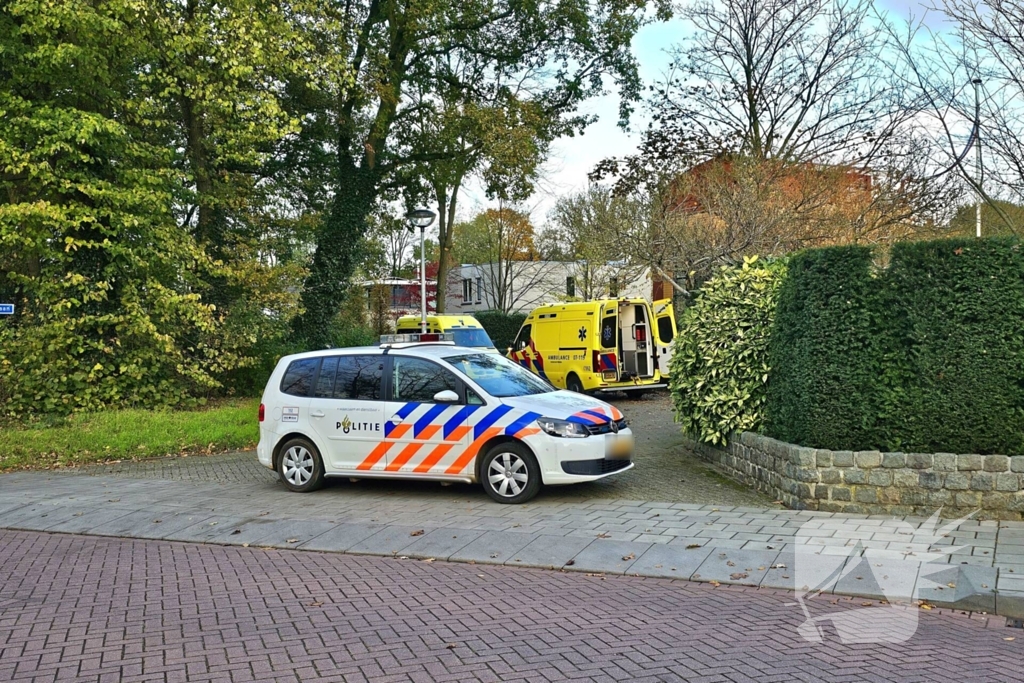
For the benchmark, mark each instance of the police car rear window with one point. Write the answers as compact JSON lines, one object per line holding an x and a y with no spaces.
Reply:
{"x":298,"y":378}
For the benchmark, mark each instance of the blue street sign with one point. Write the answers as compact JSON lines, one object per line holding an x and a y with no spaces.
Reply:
{"x":6,"y":309}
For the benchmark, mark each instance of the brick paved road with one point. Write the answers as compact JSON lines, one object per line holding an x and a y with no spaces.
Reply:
{"x":91,"y":609}
{"x":665,"y":470}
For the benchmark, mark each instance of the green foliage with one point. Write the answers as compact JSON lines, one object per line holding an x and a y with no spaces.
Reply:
{"x":719,"y":366}
{"x":927,"y":355}
{"x":128,"y":434}
{"x":502,"y":328}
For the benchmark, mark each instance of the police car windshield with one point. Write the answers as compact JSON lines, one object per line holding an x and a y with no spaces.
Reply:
{"x":472,"y":337}
{"x":499,"y":376}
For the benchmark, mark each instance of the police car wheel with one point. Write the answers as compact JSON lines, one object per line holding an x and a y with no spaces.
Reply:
{"x":300,"y":467}
{"x":509,"y":473}
{"x":573,"y":383}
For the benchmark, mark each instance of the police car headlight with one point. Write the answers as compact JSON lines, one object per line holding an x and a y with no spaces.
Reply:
{"x":562,"y":428}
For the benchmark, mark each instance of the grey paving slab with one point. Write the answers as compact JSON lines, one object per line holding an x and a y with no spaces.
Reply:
{"x":341,"y":537}
{"x":42,"y":517}
{"x":284,"y":533}
{"x":963,"y":587}
{"x":735,"y":566}
{"x":1010,"y":603}
{"x":205,"y":530}
{"x":96,"y":519}
{"x":879,"y":578}
{"x":493,"y":547}
{"x":670,"y":561}
{"x":608,"y":556}
{"x":390,"y":540}
{"x":804,"y":572}
{"x":441,"y":543}
{"x":163,"y":526}
{"x":549,"y":551}
{"x":131,"y":525}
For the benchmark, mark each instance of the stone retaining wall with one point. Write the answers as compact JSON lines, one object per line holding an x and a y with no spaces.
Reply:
{"x":873,"y":482}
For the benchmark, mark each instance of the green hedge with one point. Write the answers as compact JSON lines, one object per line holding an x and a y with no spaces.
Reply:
{"x":719,"y":365}
{"x":927,"y":355}
{"x":502,"y":328}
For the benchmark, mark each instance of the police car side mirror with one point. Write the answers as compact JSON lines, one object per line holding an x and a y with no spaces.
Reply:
{"x":446,"y":396}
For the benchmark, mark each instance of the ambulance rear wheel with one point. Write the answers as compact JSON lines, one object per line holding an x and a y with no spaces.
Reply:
{"x":510,"y":474}
{"x":573,"y":383}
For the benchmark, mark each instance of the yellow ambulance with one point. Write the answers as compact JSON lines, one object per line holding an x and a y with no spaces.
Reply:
{"x":466,"y":329}
{"x":602,"y":345}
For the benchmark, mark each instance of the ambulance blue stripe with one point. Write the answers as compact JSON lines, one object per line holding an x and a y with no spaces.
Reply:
{"x":489,"y":419}
{"x":597,"y":415}
{"x":540,"y":368}
{"x":457,"y":419}
{"x":521,"y":422}
{"x":402,"y":413}
{"x":428,"y":418}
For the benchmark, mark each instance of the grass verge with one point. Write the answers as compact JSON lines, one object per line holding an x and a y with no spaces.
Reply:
{"x":129,"y":434}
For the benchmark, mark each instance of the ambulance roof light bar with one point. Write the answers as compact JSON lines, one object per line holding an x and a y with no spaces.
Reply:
{"x":417,"y":338}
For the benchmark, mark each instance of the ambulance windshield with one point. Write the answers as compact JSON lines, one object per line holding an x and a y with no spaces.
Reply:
{"x":499,"y":376}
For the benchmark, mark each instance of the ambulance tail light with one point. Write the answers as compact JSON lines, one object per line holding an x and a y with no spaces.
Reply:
{"x":263,"y":412}
{"x":597,"y":361}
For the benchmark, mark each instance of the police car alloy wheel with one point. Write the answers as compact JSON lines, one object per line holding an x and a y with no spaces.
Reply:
{"x":300,"y":466}
{"x":509,"y":473}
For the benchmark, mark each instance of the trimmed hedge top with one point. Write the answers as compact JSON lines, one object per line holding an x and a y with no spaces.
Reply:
{"x":927,"y":355}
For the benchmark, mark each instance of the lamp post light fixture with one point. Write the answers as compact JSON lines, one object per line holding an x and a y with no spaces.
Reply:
{"x":422,"y":218}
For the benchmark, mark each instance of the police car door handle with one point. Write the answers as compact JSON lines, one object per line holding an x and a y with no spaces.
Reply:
{"x":317,"y":413}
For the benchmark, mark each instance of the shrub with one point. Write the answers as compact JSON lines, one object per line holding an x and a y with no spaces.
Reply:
{"x":927,"y":355}
{"x":501,"y":327}
{"x":719,"y":363}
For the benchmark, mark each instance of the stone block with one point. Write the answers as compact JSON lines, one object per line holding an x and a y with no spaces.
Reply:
{"x":940,"y":497}
{"x":821,"y":492}
{"x":823,"y":458}
{"x":805,"y":491}
{"x":968,"y":499}
{"x":962,"y":587}
{"x":841,"y":493}
{"x":831,"y":476}
{"x":905,"y":478}
{"x":894,"y":460}
{"x":958,"y":481}
{"x":842,"y":458}
{"x":945,"y":462}
{"x":806,"y":474}
{"x":1017,"y":463}
{"x":996,"y":500}
{"x":1007,"y":481}
{"x":826,"y":506}
{"x":866,"y":494}
{"x":920,"y":461}
{"x":983,"y":481}
{"x":802,"y":457}
{"x":913,"y":496}
{"x":855,"y":476}
{"x":930,"y":480}
{"x":880,"y":477}
{"x":969,"y":463}
{"x":997,"y":463}
{"x":868,"y":459}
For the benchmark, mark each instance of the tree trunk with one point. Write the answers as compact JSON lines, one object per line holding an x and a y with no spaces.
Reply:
{"x":337,"y":253}
{"x":445,"y":229}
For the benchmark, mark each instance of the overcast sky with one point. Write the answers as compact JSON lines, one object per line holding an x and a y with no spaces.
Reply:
{"x":573,"y":158}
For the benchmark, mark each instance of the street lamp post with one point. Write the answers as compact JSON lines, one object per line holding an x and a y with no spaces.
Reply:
{"x":422,"y":218}
{"x":977,"y":150}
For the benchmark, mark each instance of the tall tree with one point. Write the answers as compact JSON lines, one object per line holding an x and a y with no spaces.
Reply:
{"x":390,"y":48}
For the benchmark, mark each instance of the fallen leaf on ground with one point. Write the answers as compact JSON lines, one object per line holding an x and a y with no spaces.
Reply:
{"x":603,"y":535}
{"x":1010,"y":638}
{"x":629,"y":557}
{"x":926,"y":606}
{"x":315,"y":603}
{"x":570,"y":563}
{"x":292,"y":540}
{"x":494,"y":555}
{"x":245,"y":545}
{"x":865,"y":604}
{"x":738,"y":575}
{"x":951,"y":584}
{"x":451,"y":646}
{"x":418,"y":532}
{"x":715,"y":584}
{"x":236,"y":531}
{"x":730,"y":563}
{"x":692,"y":546}
{"x":778,"y":565}
{"x":429,"y":559}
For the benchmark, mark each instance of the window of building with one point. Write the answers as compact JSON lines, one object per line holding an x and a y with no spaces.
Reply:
{"x":570,"y":286}
{"x":479,"y":288}
{"x":467,"y":290}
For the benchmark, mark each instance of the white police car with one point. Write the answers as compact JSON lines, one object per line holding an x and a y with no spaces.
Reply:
{"x":419,"y":407}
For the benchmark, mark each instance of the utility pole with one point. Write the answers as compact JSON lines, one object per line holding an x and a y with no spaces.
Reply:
{"x":977,"y":149}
